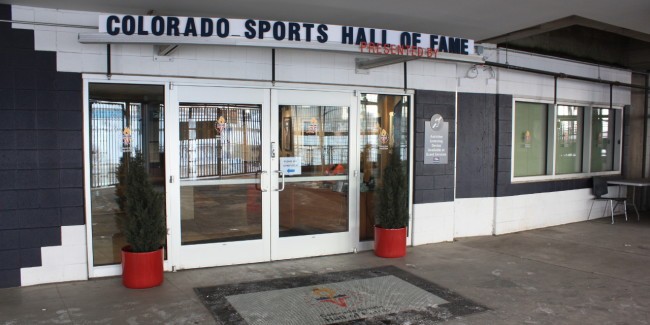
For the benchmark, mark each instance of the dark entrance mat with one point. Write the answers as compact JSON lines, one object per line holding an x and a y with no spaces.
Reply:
{"x":382,"y":295}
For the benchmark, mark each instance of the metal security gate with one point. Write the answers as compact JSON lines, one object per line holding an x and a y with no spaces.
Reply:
{"x":108,"y":122}
{"x":219,"y":140}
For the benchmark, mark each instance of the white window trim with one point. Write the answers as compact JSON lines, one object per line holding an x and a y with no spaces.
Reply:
{"x":110,"y":269}
{"x":552,"y":134}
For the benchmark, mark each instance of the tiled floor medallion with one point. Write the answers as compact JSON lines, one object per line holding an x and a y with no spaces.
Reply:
{"x":378,"y":295}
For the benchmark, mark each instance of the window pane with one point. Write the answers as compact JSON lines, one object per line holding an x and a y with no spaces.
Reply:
{"x":315,"y":200}
{"x":602,"y":140}
{"x":124,"y":119}
{"x":220,"y":160}
{"x":530,"y":139}
{"x":384,"y":132}
{"x":568,"y":152}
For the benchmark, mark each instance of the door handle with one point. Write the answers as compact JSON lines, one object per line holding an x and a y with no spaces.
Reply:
{"x":259,"y":188}
{"x":281,"y":174}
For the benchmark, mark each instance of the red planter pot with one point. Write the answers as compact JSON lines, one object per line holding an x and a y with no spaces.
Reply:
{"x":390,"y":242}
{"x":142,"y":270}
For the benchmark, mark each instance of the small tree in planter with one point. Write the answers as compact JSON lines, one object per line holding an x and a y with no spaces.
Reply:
{"x":142,"y":223}
{"x":392,"y":215}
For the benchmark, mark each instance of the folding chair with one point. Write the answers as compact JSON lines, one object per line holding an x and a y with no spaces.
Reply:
{"x":599,"y":189}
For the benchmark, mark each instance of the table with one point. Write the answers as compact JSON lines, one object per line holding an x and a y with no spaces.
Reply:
{"x":634,"y":183}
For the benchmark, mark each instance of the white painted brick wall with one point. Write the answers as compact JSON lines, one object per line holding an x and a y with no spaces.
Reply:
{"x":524,"y":84}
{"x":483,"y":83}
{"x":432,"y":75}
{"x":474,"y":217}
{"x":67,"y":262}
{"x":531,"y":211}
{"x":433,"y":222}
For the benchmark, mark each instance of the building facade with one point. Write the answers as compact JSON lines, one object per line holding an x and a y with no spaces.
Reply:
{"x":272,"y":152}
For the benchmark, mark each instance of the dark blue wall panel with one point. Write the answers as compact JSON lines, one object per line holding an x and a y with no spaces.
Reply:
{"x":41,"y":167}
{"x":476,"y":145}
{"x":433,"y":183}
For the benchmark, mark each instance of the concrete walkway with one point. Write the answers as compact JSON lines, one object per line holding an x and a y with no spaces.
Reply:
{"x":582,"y":273}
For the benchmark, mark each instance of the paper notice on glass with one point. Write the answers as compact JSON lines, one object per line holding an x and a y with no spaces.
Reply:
{"x":290,"y":166}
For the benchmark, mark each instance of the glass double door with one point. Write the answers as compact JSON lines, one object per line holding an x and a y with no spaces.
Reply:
{"x":259,"y":175}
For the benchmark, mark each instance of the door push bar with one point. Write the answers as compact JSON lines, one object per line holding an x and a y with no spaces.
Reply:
{"x":281,"y":174}
{"x":259,"y":188}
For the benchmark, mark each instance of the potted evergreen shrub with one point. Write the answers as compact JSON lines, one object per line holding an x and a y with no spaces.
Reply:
{"x":142,"y":223}
{"x":392,"y":212}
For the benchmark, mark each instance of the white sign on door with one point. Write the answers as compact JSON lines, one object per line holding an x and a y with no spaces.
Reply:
{"x":290,"y":166}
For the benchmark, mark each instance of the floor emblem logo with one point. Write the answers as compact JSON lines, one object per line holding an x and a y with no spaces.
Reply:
{"x":329,"y":295}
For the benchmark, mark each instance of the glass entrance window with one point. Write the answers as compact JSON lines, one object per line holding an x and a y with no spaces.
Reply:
{"x":585,"y":140}
{"x":314,"y":144}
{"x":384,"y":132}
{"x":530,"y":152}
{"x":602,"y":139}
{"x":124,"y":120}
{"x":220,"y":165}
{"x":568,"y":152}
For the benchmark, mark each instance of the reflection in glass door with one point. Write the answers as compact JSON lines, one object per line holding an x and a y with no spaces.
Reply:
{"x":310,"y":201}
{"x":220,"y":201}
{"x":124,"y":120}
{"x":314,"y":162}
{"x":220,"y":163}
{"x":269,"y":174}
{"x":384,"y":132}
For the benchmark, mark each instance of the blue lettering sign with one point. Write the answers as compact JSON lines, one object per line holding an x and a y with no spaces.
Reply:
{"x":279,"y":30}
{"x":223,"y":27}
{"x":206,"y":27}
{"x":294,"y":32}
{"x":322,"y":34}
{"x":250,"y":29}
{"x":172,"y":26}
{"x":346,"y":35}
{"x":405,"y":39}
{"x":109,"y":25}
{"x":372,"y":40}
{"x":190,"y":27}
{"x":433,"y":41}
{"x":416,"y":39}
{"x":128,"y":25}
{"x":157,"y":25}
{"x":361,"y":36}
{"x":308,"y":28}
{"x":443,"y":44}
{"x":141,"y":30}
{"x":454,"y":45}
{"x":265,"y":26}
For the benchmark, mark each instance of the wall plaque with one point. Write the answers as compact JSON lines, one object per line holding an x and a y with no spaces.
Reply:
{"x":436,"y":141}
